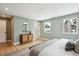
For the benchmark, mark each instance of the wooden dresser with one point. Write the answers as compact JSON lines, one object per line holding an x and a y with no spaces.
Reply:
{"x":26,"y":38}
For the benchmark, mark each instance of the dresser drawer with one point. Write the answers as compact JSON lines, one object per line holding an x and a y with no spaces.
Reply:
{"x":26,"y":38}
{"x":30,"y":38}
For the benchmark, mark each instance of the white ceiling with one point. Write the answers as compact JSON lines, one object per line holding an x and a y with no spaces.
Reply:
{"x":39,"y":11}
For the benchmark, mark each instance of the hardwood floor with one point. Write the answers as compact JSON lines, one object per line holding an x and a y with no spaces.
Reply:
{"x":8,"y":47}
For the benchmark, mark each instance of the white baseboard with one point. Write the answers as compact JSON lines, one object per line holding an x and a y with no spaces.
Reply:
{"x":16,"y":43}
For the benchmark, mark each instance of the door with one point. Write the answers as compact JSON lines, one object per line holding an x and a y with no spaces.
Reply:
{"x":2,"y":31}
{"x":36,"y":34}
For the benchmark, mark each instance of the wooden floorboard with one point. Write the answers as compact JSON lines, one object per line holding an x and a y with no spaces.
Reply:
{"x":8,"y":47}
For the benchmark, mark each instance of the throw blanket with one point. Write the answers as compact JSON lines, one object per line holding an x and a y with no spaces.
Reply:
{"x":54,"y":47}
{"x":37,"y":49}
{"x":57,"y":49}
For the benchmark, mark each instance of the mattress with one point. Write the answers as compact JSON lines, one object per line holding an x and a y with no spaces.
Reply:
{"x":34,"y":51}
{"x":52,"y":48}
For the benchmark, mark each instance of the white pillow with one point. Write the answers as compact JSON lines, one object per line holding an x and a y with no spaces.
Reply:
{"x":76,"y":46}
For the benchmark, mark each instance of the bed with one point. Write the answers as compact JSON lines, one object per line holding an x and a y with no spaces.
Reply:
{"x":54,"y":47}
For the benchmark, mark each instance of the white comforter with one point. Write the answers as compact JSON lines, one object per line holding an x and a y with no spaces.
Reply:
{"x":57,"y":49}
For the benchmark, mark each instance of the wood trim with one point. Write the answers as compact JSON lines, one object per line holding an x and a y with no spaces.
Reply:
{"x":9,"y":17}
{"x":8,"y":29}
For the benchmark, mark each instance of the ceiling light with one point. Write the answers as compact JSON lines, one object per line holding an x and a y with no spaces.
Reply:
{"x":6,"y":8}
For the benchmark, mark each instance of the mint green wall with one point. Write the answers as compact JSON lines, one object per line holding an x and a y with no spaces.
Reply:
{"x":18,"y":21}
{"x":57,"y":28}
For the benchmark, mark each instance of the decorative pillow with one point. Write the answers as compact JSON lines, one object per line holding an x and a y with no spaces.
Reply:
{"x":76,"y":46}
{"x":69,"y":46}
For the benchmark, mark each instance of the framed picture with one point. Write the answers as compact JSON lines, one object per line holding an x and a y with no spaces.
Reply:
{"x":70,"y":26}
{"x":24,"y":27}
{"x":47,"y":27}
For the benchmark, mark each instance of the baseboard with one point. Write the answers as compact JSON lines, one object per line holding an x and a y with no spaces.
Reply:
{"x":16,"y":43}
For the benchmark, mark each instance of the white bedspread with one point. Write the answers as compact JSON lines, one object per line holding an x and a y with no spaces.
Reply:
{"x":57,"y":49}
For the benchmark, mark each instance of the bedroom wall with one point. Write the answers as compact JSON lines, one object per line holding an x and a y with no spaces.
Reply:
{"x":57,"y":28}
{"x":17,"y":27}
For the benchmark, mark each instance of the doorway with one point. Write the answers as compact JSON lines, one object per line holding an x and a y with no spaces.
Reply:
{"x":2,"y":31}
{"x":6,"y":33}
